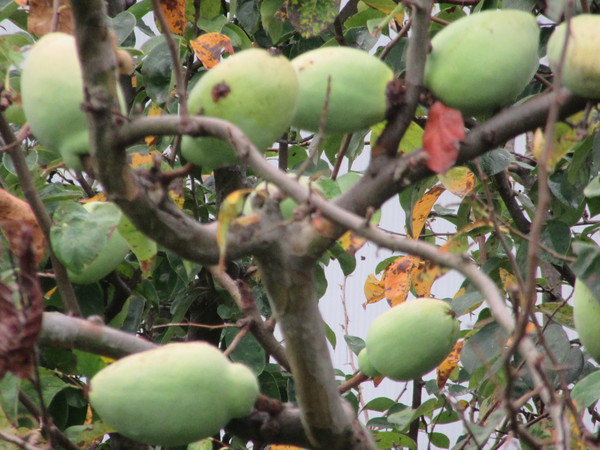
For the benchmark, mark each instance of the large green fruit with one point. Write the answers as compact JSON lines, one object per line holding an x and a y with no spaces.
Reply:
{"x":412,"y":338}
{"x":357,"y":89}
{"x":253,"y":89}
{"x":481,"y":62}
{"x":173,"y":395}
{"x":52,"y":94}
{"x":110,"y":256}
{"x":581,"y":69}
{"x":586,"y":313}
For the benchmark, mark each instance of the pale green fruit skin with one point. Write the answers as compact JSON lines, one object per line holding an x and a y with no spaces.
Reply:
{"x":481,"y":62}
{"x":581,"y":69}
{"x":109,"y":258}
{"x":364,"y":364}
{"x":287,"y":205}
{"x":412,"y":338}
{"x":357,"y":97}
{"x":52,"y":94}
{"x":173,"y":395}
{"x":586,"y":313}
{"x":261,"y":102}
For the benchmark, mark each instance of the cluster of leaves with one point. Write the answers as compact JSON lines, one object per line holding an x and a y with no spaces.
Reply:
{"x":160,"y":295}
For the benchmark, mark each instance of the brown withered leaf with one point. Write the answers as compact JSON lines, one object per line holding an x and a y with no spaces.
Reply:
{"x":20,"y":325}
{"x":174,"y":14}
{"x":209,"y":47}
{"x":15,"y":214}
{"x":41,"y":17}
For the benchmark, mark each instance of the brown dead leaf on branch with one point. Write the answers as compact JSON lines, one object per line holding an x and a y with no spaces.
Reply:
{"x":21,"y":311}
{"x":15,"y":215}
{"x":41,"y":17}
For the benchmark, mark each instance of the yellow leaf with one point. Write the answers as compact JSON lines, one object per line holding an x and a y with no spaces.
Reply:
{"x":351,"y":242}
{"x":509,"y":281}
{"x":208,"y":48}
{"x":458,"y":180}
{"x":153,"y":111}
{"x":174,"y":14}
{"x":231,"y":207}
{"x":374,"y":289}
{"x":422,"y":209}
{"x":101,"y":197}
{"x":565,"y":137}
{"x":397,"y":279}
{"x":448,"y":365}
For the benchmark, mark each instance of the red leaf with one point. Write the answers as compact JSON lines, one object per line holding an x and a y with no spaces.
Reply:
{"x":443,"y":132}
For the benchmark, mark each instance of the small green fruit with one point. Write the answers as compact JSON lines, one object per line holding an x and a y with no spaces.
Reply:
{"x":412,"y":338}
{"x":110,"y":256}
{"x":173,"y":395}
{"x":581,"y":68}
{"x":252,"y":89}
{"x":364,"y":364}
{"x":586,"y":313}
{"x":481,"y":62}
{"x":52,"y":94}
{"x":357,"y":89}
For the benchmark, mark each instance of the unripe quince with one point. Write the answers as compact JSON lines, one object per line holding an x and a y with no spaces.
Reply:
{"x":364,"y":364}
{"x":173,"y":395}
{"x":110,"y":256}
{"x":586,"y":313}
{"x":52,"y":94}
{"x":412,"y":338}
{"x":254,"y":90}
{"x":581,"y":68}
{"x":483,"y":61}
{"x":357,"y":89}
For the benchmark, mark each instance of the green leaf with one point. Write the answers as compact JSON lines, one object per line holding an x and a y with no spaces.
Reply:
{"x":84,"y":435}
{"x":483,"y":347}
{"x":247,"y":351}
{"x":587,"y":391}
{"x":123,"y":25}
{"x":587,"y":264}
{"x":439,"y":440}
{"x":380,"y":404}
{"x":311,"y":17}
{"x":393,"y":439}
{"x":556,"y":235}
{"x":157,"y":69}
{"x":330,"y":335}
{"x":355,"y":343}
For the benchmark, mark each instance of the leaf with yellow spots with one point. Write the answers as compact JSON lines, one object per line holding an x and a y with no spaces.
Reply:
{"x":351,"y":242}
{"x":153,"y":111}
{"x":565,"y":137}
{"x":509,"y":281}
{"x":398,"y":279}
{"x":427,"y":272}
{"x":374,"y":289}
{"x":448,"y":365}
{"x":208,"y":48}
{"x":458,"y":180}
{"x":386,"y":7}
{"x":177,"y":198}
{"x":231,"y":208}
{"x":174,"y":14}
{"x":422,"y":209}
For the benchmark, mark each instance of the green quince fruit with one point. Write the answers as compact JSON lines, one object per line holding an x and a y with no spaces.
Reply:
{"x":481,"y":62}
{"x":352,"y":82}
{"x":412,"y":338}
{"x":173,"y":395}
{"x":253,"y":89}
{"x":581,"y":68}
